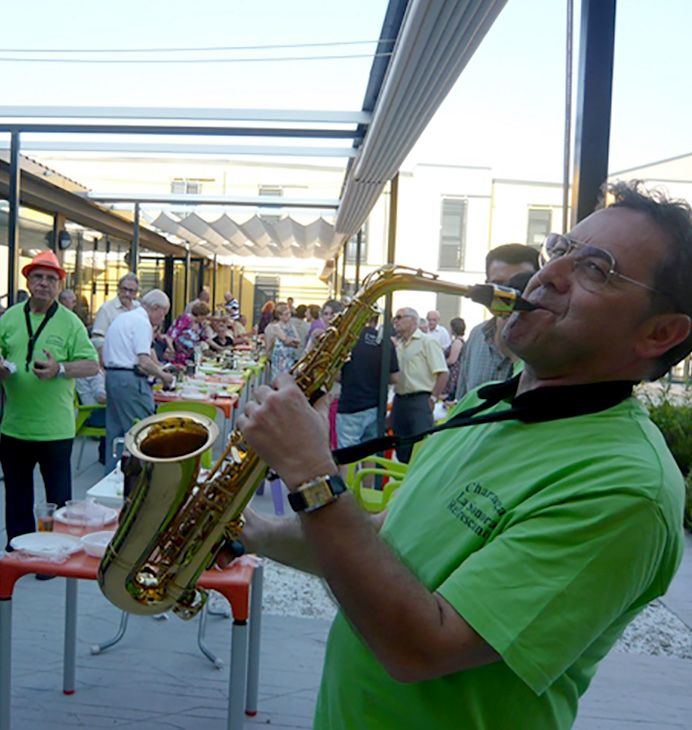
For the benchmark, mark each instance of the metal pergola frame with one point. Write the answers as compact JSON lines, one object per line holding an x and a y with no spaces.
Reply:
{"x":433,"y":43}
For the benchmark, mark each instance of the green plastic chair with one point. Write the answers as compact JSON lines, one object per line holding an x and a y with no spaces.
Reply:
{"x":370,"y":499}
{"x":191,"y":406}
{"x":82,"y":413}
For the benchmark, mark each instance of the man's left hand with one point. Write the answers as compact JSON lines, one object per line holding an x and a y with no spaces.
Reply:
{"x":48,"y":368}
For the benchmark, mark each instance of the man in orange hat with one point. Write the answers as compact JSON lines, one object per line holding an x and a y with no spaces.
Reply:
{"x":44,"y":346}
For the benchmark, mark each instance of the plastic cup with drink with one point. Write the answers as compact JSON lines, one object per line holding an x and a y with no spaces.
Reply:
{"x":45,"y":516}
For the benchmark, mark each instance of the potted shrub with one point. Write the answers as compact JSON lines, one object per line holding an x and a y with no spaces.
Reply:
{"x":672,"y":413}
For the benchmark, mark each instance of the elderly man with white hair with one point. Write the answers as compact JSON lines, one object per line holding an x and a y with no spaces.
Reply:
{"x":438,"y":332}
{"x":128,"y":363}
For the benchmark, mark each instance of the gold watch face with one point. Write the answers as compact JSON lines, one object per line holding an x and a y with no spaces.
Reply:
{"x":317,"y":494}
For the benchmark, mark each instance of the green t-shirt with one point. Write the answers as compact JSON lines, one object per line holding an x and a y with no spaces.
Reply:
{"x":547,"y":539}
{"x":41,"y":410}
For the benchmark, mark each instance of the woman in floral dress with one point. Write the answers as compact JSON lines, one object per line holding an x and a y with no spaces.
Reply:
{"x":285,"y":348}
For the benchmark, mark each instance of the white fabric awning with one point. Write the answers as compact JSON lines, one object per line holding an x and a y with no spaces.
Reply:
{"x":260,"y":235}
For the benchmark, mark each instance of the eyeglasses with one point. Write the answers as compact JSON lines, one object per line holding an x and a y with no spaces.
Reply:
{"x":50,"y":278}
{"x":593,"y":267}
{"x":128,"y":289}
{"x":401,"y":316}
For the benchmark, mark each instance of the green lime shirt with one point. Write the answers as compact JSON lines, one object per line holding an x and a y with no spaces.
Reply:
{"x":41,"y":410}
{"x":547,"y":538}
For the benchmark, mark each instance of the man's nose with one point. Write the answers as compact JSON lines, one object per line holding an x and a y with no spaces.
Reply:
{"x":557,"y":272}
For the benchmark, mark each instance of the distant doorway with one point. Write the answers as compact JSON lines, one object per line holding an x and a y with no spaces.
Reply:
{"x":266,"y":288}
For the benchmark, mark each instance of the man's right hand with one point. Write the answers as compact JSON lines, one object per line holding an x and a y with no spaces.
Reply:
{"x":167,"y":379}
{"x":4,"y":373}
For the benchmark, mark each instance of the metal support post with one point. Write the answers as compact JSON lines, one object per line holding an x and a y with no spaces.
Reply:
{"x":359,"y":243}
{"x":13,"y":220}
{"x":70,"y":647}
{"x":391,"y":252}
{"x":5,"y":662}
{"x":134,"y":250}
{"x":594,"y":98}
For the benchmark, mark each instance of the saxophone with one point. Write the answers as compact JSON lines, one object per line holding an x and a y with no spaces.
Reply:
{"x":171,"y":528}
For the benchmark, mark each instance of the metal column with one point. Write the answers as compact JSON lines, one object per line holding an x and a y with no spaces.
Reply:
{"x":168,"y":276}
{"x":13,"y":221}
{"x":343,"y":268}
{"x":359,"y":244}
{"x":592,"y":136}
{"x":387,"y":325}
{"x":187,"y":296}
{"x":134,"y":250}
{"x":213,"y":285}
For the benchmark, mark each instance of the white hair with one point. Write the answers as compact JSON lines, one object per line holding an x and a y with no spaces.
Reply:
{"x":155,"y":298}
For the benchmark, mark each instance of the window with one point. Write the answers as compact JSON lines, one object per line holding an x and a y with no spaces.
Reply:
{"x":540,"y":224}
{"x":183,"y":186}
{"x":352,"y":247}
{"x":452,"y":233}
{"x":270,"y":214}
{"x":448,"y":305}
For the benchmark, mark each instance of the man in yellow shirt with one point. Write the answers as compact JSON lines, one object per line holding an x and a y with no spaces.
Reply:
{"x":423,"y":375}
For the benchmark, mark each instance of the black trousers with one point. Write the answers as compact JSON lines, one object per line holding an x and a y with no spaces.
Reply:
{"x":410,"y":414}
{"x":18,"y":459}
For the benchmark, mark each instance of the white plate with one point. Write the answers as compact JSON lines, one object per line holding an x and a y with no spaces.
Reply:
{"x":46,"y":544}
{"x":192,"y":395}
{"x":98,"y":515}
{"x":95,"y":543}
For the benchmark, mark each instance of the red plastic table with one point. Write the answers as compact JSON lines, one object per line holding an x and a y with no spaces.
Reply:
{"x":240,"y":584}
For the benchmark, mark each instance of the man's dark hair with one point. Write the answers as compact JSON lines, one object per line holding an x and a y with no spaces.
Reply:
{"x":300,"y":311}
{"x":512,"y":253}
{"x":673,"y":217}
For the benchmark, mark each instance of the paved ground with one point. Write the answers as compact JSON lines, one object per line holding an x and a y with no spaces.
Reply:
{"x":157,"y":679}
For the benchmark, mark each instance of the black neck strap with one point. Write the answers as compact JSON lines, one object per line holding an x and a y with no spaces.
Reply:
{"x":31,"y":344}
{"x":534,"y":406}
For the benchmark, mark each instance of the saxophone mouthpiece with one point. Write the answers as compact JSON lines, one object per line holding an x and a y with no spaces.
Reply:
{"x":500,"y":300}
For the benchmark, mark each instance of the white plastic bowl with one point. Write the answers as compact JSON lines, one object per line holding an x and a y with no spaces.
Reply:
{"x":95,"y":543}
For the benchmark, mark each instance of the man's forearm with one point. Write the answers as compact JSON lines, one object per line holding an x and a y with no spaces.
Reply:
{"x":81,"y":368}
{"x":440,"y":382}
{"x":281,"y":540}
{"x":148,"y":366}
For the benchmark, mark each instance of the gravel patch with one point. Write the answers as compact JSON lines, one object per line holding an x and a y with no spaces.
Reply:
{"x":657,"y":631}
{"x":290,"y":592}
{"x":287,"y":592}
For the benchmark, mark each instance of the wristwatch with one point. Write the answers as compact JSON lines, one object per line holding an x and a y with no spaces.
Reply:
{"x":317,"y":493}
{"x":61,"y":371}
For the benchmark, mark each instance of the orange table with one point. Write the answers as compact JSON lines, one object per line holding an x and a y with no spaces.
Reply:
{"x":240,"y":584}
{"x":224,"y":404}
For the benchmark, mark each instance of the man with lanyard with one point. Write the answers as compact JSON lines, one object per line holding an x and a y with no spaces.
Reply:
{"x":481,"y":359}
{"x":44,"y":346}
{"x":517,"y":549}
{"x":423,"y":375}
{"x":128,"y":363}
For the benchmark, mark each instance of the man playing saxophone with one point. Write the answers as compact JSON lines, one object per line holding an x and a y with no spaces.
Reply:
{"x":518,"y":549}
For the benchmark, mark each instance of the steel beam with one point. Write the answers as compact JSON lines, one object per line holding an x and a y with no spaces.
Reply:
{"x":14,"y":185}
{"x":594,"y":98}
{"x":181,"y":113}
{"x":186,"y":131}
{"x":268,"y":201}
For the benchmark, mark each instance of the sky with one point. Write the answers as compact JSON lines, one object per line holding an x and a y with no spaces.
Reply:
{"x":506,"y":111}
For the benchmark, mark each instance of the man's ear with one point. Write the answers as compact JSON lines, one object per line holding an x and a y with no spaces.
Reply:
{"x":661,"y":332}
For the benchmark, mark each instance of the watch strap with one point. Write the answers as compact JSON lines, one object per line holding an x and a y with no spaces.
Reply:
{"x":317,"y":493}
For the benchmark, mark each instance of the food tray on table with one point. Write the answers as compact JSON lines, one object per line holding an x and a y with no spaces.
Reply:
{"x":88,"y":514}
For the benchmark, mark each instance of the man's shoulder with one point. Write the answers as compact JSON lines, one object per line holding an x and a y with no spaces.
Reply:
{"x":480,"y":335}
